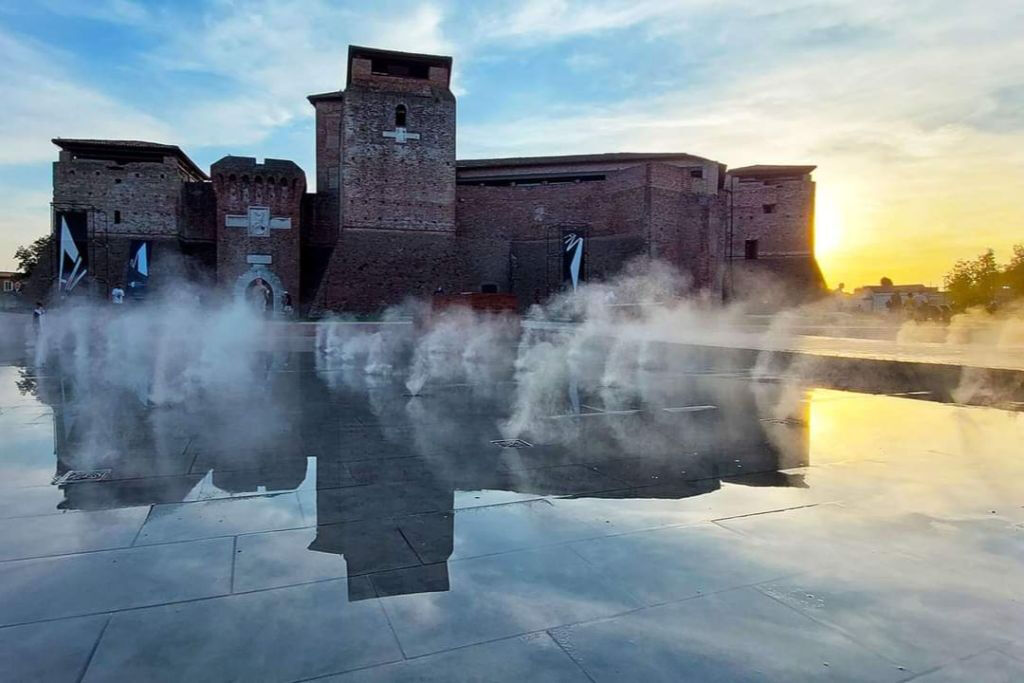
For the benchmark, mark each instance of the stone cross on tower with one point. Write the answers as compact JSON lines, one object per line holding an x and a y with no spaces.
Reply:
{"x":400,"y":135}
{"x":258,"y":221}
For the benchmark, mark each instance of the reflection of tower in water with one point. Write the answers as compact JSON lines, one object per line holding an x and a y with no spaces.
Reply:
{"x":395,"y":520}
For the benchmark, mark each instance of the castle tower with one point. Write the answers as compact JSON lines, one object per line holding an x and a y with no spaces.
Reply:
{"x":386,"y":180}
{"x":258,"y":217}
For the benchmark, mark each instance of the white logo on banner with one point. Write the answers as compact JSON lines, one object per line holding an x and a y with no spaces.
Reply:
{"x":574,"y":242}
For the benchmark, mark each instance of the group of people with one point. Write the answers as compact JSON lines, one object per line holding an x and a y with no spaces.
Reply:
{"x":261,"y":297}
{"x":916,"y":308}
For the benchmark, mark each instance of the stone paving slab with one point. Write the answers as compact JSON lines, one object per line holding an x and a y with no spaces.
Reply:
{"x":276,"y":635}
{"x":70,"y":585}
{"x":497,"y":596}
{"x":738,"y":635}
{"x":535,"y":658}
{"x":214,"y":518}
{"x":52,"y":651}
{"x":72,"y":532}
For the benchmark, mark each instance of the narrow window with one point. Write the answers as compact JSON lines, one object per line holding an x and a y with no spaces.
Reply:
{"x":750,"y":250}
{"x":400,"y":116}
{"x":696,"y":172}
{"x":117,"y":216}
{"x":768,"y":208}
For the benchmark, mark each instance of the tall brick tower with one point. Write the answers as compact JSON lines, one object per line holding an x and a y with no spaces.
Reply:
{"x":385,"y":180}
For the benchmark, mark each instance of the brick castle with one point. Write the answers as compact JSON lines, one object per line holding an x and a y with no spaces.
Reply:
{"x":396,"y":214}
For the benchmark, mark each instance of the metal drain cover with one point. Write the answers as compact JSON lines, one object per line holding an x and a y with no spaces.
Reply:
{"x":788,"y":421}
{"x":512,"y":443}
{"x":74,"y":476}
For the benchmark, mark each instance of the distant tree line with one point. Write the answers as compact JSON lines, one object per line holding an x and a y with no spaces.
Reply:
{"x":983,"y":282}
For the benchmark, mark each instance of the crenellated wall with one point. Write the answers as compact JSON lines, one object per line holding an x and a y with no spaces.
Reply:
{"x":259,"y":223}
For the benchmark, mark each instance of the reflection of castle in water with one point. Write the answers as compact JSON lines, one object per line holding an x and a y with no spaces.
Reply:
{"x":387,"y":467}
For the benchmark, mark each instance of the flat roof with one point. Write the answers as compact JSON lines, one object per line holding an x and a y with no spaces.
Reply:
{"x":606,"y":157}
{"x":140,"y":148}
{"x":362,"y":52}
{"x":769,"y":171}
{"x":324,"y":96}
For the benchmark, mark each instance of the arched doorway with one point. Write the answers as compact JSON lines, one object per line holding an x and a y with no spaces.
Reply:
{"x":259,"y":295}
{"x":257,"y":280}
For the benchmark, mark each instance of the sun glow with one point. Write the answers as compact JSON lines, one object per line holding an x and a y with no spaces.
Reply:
{"x":828,"y":222}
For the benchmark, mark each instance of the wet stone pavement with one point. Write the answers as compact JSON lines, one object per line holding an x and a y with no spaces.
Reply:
{"x":330,"y":526}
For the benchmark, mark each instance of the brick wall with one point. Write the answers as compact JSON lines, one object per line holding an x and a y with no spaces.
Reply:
{"x":122,"y":201}
{"x":510,"y":235}
{"x":322,"y":229}
{"x":371,"y":269}
{"x":788,"y":230}
{"x":240,"y":183}
{"x":778,"y":212}
{"x":392,"y":185}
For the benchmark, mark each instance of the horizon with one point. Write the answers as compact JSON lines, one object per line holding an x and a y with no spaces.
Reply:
{"x":914,"y":115}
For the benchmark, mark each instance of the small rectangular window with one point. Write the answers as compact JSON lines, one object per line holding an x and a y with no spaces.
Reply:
{"x":768,"y":208}
{"x":489,"y":288}
{"x":750,"y":250}
{"x":8,"y":285}
{"x":696,"y":172}
{"x":117,"y":216}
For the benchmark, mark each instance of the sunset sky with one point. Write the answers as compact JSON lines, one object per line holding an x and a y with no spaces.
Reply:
{"x":912,"y":110}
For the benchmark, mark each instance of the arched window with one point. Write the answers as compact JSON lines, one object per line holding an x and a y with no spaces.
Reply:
{"x":400,"y":116}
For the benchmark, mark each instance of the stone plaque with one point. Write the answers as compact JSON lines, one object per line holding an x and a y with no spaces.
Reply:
{"x":259,"y":221}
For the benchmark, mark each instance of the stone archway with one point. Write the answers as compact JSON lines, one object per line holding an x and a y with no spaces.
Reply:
{"x":257,"y":272}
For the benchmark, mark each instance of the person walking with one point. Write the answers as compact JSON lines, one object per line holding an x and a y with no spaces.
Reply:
{"x":37,"y":317}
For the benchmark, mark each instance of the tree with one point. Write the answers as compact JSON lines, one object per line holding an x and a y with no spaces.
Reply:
{"x":28,"y":257}
{"x":975,"y":282}
{"x":1013,"y":274}
{"x":886,"y":282}
{"x":986,"y":277}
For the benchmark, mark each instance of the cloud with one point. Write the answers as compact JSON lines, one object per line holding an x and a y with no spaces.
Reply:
{"x":545,"y":20}
{"x":26,"y":216}
{"x":42,"y":100}
{"x":912,"y":110}
{"x":111,"y":11}
{"x":271,"y":54}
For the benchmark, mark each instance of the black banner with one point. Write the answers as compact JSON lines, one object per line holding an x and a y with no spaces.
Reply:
{"x":72,"y":236}
{"x":137,"y":274}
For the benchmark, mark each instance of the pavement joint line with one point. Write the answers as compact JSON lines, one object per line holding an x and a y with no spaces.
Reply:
{"x":115,"y":612}
{"x":600,"y":414}
{"x":765,"y":512}
{"x":579,"y":665}
{"x":138,"y":532}
{"x":690,"y":409}
{"x":387,"y":618}
{"x":92,"y":651}
{"x":408,"y":543}
{"x":759,"y":588}
{"x":121,"y":548}
{"x":234,"y":561}
{"x":993,"y":648}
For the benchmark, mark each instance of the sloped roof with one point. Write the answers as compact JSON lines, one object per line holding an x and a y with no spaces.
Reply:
{"x":141,"y":148}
